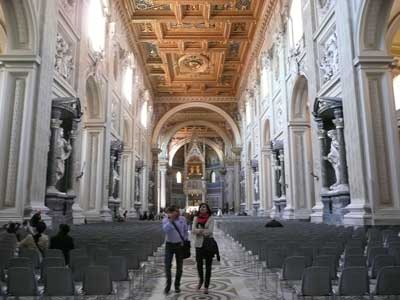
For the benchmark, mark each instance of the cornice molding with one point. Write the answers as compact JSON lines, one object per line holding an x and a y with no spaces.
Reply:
{"x":195,"y":99}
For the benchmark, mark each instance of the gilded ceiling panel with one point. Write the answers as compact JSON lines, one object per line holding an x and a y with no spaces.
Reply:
{"x":193,"y":47}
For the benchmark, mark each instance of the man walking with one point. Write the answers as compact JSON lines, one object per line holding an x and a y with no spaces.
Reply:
{"x":172,"y":223}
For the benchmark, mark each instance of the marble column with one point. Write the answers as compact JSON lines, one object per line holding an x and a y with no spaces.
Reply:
{"x":163,"y":184}
{"x":275,"y":186}
{"x":316,"y":216}
{"x":156,"y":189}
{"x":146,"y":204}
{"x":237,"y":201}
{"x":77,"y":215}
{"x":266,"y":203}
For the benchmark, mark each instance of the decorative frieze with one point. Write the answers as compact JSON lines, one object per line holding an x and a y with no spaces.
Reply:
{"x":329,"y":58}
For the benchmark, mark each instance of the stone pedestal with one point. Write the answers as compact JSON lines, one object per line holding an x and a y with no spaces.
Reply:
{"x":334,"y":204}
{"x":279,"y":208}
{"x":113,"y":205}
{"x":60,"y":206}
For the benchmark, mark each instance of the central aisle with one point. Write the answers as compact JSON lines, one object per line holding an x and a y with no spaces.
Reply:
{"x":233,"y":278}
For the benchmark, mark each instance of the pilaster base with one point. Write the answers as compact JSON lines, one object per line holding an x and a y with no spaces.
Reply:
{"x":288,"y":213}
{"x":106,"y":214}
{"x":10,"y":215}
{"x":132,"y":215}
{"x":93,"y":217}
{"x":316,"y":216}
{"x":387,"y":217}
{"x":77,"y":214}
{"x":296,"y":214}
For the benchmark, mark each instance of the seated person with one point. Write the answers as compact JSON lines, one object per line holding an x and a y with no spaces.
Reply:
{"x":273,"y":223}
{"x":38,"y":241}
{"x":63,"y":241}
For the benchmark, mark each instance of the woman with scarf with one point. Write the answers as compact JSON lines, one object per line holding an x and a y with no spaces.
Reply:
{"x":203,"y":226}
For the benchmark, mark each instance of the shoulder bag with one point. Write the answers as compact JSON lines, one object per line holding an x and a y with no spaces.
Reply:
{"x":185,"y":245}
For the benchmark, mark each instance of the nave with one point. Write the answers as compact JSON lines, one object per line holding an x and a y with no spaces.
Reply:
{"x":235,"y":277}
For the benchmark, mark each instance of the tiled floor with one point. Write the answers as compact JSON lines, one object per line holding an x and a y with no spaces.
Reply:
{"x":233,"y":278}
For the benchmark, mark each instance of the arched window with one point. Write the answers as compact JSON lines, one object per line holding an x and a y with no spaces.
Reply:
{"x":396,"y":90}
{"x":127,"y":83}
{"x":213,"y":177}
{"x":96,"y":25}
{"x":295,"y":23}
{"x":178,"y":177}
{"x":143,"y":114}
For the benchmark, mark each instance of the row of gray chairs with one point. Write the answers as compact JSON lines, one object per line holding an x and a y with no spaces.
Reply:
{"x":353,"y":282}
{"x":97,"y":280}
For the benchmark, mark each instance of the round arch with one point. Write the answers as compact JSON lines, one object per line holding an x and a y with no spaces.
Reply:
{"x":167,"y":137}
{"x":298,"y":107}
{"x":208,"y":142}
{"x":94,"y":100}
{"x":22,"y":28}
{"x":208,"y":106}
{"x":369,"y":39}
{"x":392,"y":30}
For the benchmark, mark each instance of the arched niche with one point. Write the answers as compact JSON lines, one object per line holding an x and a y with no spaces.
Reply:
{"x":94,"y":100}
{"x":380,"y":144}
{"x":302,"y":197}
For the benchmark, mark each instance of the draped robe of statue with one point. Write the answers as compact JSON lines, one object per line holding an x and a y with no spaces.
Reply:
{"x":64,"y":150}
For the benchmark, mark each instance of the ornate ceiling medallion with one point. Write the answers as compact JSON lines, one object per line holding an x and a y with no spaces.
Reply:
{"x":193,"y":63}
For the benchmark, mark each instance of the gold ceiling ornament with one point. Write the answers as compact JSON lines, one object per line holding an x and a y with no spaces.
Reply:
{"x":193,"y":63}
{"x":195,"y":47}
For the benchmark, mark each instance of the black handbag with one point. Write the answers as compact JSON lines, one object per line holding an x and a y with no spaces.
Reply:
{"x":186,"y":244}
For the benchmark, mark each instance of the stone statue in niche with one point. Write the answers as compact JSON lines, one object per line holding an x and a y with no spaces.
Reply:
{"x":64,"y":149}
{"x":256,"y":186}
{"x":334,"y":157}
{"x":115,"y":185}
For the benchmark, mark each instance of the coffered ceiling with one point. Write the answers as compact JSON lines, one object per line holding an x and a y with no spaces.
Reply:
{"x":193,"y":47}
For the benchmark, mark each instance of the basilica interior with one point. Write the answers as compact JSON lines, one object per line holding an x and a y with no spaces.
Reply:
{"x":282,"y":109}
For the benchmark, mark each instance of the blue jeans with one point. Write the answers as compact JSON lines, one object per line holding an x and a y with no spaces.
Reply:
{"x":170,"y":250}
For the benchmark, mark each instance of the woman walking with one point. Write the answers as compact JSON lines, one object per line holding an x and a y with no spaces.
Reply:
{"x":203,"y":226}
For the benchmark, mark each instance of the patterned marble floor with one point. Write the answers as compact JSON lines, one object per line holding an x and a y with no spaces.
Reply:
{"x":236,"y":276}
